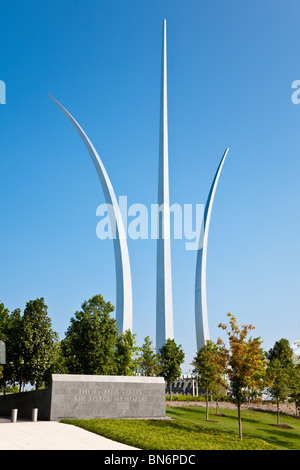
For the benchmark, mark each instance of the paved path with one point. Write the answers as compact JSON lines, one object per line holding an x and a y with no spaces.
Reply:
{"x":52,"y":435}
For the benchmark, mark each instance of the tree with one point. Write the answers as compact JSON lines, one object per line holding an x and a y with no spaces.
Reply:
{"x":295,"y":387}
{"x":218,"y":390}
{"x":89,"y":344}
{"x":280,"y":372}
{"x":4,"y":316}
{"x":14,"y":368}
{"x":125,"y":354}
{"x":148,"y":359}
{"x":171,"y":357}
{"x":38,"y":342}
{"x":30,"y":344}
{"x":245,"y":364}
{"x":209,"y":366}
{"x":279,"y":378}
{"x":282,"y":351}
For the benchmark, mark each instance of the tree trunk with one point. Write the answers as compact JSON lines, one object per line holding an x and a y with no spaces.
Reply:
{"x":170,"y":385}
{"x":240,"y":421}
{"x":217,"y":407}
{"x":277,"y":411}
{"x":206,"y":403}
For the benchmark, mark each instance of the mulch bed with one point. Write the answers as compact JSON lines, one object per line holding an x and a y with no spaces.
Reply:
{"x":269,"y":408}
{"x":283,"y":426}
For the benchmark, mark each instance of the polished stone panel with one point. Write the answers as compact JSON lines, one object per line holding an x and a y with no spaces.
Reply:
{"x":96,"y":396}
{"x":91,"y":396}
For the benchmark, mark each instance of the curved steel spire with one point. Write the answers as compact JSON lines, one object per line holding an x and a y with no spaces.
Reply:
{"x":202,"y":331}
{"x":123,"y":272}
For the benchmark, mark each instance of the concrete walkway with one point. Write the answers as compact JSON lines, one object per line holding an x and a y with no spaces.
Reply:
{"x":52,"y":435}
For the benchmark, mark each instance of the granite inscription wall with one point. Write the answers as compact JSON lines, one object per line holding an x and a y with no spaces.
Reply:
{"x":91,"y":396}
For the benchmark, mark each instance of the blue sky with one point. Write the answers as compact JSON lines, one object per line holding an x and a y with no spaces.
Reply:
{"x":230,"y":69}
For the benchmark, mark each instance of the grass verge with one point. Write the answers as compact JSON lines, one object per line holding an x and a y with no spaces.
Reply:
{"x":167,"y":435}
{"x":188,"y":430}
{"x":256,"y":425}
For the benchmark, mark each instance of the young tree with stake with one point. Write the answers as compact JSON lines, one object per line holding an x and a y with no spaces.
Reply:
{"x":246,"y":364}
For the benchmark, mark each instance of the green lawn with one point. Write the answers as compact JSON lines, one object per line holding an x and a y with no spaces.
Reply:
{"x":189,"y":431}
{"x":255,"y":425}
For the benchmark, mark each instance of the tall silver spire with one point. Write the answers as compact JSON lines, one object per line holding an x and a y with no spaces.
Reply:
{"x":123,"y":271}
{"x":202,"y":331}
{"x":164,"y":302}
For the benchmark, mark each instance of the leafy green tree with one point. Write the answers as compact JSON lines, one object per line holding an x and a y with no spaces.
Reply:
{"x":295,"y":387}
{"x":279,"y":376}
{"x":280,"y":372}
{"x":89,"y":344}
{"x":209,"y":367}
{"x":218,"y":391}
{"x":148,"y":359}
{"x":38,"y":342}
{"x":171,"y":357}
{"x":58,"y":365}
{"x":282,"y":351}
{"x":14,"y":370}
{"x":246,"y":365}
{"x":4,"y":315}
{"x":125,"y":354}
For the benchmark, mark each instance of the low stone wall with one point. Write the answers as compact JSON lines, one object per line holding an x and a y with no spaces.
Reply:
{"x":91,"y":396}
{"x":24,"y":402}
